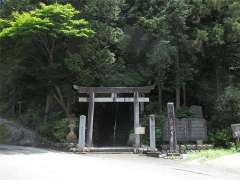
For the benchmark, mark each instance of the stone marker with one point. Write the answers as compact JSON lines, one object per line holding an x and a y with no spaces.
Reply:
{"x":152,"y":132}
{"x":172,"y":128}
{"x":82,"y":128}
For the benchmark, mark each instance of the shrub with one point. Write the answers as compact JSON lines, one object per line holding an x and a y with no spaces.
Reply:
{"x":184,"y":112}
{"x":221,"y":138}
{"x":55,"y":128}
{"x":227,"y":109}
{"x":237,"y":146}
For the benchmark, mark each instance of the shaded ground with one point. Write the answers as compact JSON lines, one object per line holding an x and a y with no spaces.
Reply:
{"x":20,"y":163}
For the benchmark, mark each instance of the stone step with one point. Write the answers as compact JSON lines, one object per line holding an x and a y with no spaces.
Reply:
{"x":111,"y":149}
{"x":105,"y":152}
{"x":153,"y":154}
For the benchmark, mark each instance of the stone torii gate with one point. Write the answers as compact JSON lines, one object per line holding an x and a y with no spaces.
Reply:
{"x":113,"y":97}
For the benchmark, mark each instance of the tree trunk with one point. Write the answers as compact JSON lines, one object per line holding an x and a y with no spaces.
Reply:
{"x":218,"y":81}
{"x":178,"y":97}
{"x":178,"y":85}
{"x":60,"y":100}
{"x":184,"y":95}
{"x":160,"y":97}
{"x":47,"y":107}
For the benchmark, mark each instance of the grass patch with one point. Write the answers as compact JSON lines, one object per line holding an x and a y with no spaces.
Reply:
{"x":211,"y":154}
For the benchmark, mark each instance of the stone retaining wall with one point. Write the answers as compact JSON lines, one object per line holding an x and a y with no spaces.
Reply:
{"x":188,"y":147}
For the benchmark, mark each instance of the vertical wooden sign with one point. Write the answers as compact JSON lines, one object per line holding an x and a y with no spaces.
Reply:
{"x":152,"y":132}
{"x":172,"y":128}
{"x":82,"y":129}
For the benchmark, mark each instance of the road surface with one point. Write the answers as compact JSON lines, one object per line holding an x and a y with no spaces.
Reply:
{"x":25,"y":163}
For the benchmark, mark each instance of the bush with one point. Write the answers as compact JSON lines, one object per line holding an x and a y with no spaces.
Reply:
{"x":55,"y":129}
{"x":3,"y":133}
{"x":184,"y":112}
{"x":221,"y":138}
{"x":227,"y":110}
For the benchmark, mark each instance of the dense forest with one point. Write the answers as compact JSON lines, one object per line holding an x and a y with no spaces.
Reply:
{"x":188,"y":49}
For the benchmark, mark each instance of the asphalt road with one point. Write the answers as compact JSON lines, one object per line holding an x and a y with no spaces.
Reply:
{"x":24,"y":163}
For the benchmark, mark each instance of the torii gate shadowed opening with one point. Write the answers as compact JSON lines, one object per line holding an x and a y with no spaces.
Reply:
{"x":113,"y":97}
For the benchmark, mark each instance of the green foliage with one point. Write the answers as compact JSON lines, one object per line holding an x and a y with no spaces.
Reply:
{"x":55,"y":129}
{"x":211,"y":154}
{"x":41,"y":38}
{"x":183,"y":112}
{"x":160,"y":60}
{"x":237,"y":146}
{"x":221,"y":138}
{"x":16,"y":5}
{"x":54,"y":21}
{"x":200,"y":38}
{"x":97,"y":68}
{"x":3,"y":24}
{"x":107,"y":10}
{"x":227,"y":108}
{"x":152,"y":107}
{"x":3,"y":133}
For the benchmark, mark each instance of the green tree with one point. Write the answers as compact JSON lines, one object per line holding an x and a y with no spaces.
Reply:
{"x":214,"y":25}
{"x":8,"y":6}
{"x":50,"y":29}
{"x":103,"y":65}
{"x":160,"y":60}
{"x":165,"y":21}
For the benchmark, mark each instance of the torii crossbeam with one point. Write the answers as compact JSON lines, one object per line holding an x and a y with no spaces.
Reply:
{"x":113,"y":91}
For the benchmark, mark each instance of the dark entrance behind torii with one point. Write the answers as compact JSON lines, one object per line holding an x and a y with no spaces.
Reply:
{"x":113,"y":122}
{"x":111,"y":95}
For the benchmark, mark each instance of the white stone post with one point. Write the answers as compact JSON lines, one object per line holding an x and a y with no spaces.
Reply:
{"x":152,"y":132}
{"x":82,"y":129}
